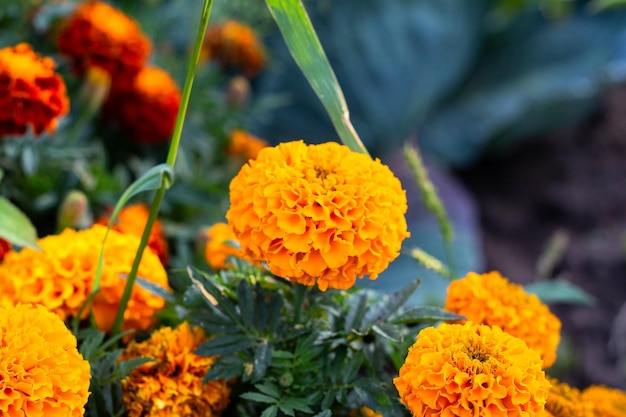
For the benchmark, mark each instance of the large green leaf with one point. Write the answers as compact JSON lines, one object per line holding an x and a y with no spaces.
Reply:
{"x":15,"y":226}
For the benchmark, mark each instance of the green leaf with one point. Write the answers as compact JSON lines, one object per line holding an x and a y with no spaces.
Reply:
{"x":325,"y":413}
{"x":306,"y":49}
{"x":356,"y":312}
{"x":262,"y":358}
{"x":153,"y":288}
{"x":269,"y":388}
{"x":245,"y":302}
{"x":222,"y":345}
{"x":225,"y":367}
{"x":392,"y":303}
{"x":258,"y":397}
{"x":425,"y":314}
{"x":560,"y":291}
{"x":127,"y":366}
{"x":270,"y":411}
{"x":15,"y":226}
{"x":387,"y":331}
{"x":596,"y":6}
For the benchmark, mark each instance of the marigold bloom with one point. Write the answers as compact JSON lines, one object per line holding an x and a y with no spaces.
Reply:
{"x":132,"y":219}
{"x":607,"y":402}
{"x":235,"y":45}
{"x":147,"y":109}
{"x":364,"y":412}
{"x":245,"y":145}
{"x":5,"y":247}
{"x":31,"y":93}
{"x":171,"y":384}
{"x":492,"y":299}
{"x":61,"y":276}
{"x":566,"y":401}
{"x":41,"y":372}
{"x":221,"y":244}
{"x":318,"y":213}
{"x":469,"y":370}
{"x":99,"y":35}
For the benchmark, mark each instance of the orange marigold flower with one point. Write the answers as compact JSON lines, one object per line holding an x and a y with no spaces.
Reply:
{"x":132,"y":219}
{"x":147,"y":109}
{"x":235,"y":45}
{"x":31,"y":93}
{"x":492,"y":299}
{"x":171,"y":384}
{"x":5,"y":247}
{"x":471,"y":370}
{"x":245,"y":145}
{"x":364,"y":412}
{"x":318,"y":213}
{"x":99,"y":35}
{"x":607,"y":402}
{"x":567,"y":401}
{"x":221,"y":244}
{"x":41,"y":372}
{"x":60,"y":276}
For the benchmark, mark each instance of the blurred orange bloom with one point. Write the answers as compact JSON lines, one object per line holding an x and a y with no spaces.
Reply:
{"x":146,"y":110}
{"x":221,"y":244}
{"x":236,"y":46}
{"x":607,"y":401}
{"x":31,"y":93}
{"x":244,"y":144}
{"x":5,"y":247}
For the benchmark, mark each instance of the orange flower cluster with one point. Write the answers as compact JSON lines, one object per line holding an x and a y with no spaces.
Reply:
{"x":235,"y":45}
{"x":5,"y":247}
{"x":318,"y":214}
{"x":61,"y":276}
{"x":147,"y":109}
{"x":99,"y":35}
{"x":566,"y":401}
{"x":471,"y":370}
{"x":171,"y":384}
{"x":132,"y":219}
{"x":221,"y":245}
{"x":41,"y":372}
{"x":607,"y":402}
{"x":245,"y":145}
{"x":491,"y":299}
{"x":31,"y":93}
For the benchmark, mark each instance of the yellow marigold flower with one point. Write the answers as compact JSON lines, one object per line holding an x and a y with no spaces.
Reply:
{"x":31,"y":93}
{"x":99,"y":35}
{"x":147,"y":109}
{"x":566,"y":401}
{"x":492,"y":299}
{"x":318,"y":213}
{"x":236,"y":46}
{"x":607,"y":402}
{"x":171,"y":384}
{"x":61,"y":275}
{"x":470,"y":370}
{"x":41,"y":372}
{"x":221,"y":244}
{"x":132,"y":219}
{"x":245,"y":145}
{"x":5,"y":247}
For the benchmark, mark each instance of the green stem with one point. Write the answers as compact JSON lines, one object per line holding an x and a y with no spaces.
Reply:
{"x":171,"y":161}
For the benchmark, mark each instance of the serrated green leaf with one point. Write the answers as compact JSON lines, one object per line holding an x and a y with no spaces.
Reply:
{"x":223,"y":345}
{"x":153,"y":288}
{"x":258,"y":397}
{"x":387,"y":331}
{"x":560,"y":291}
{"x":270,"y":411}
{"x":245,"y":302}
{"x":292,"y":403}
{"x":356,"y":312}
{"x":392,"y":303}
{"x":129,"y":365}
{"x":214,"y":297}
{"x":324,"y":413}
{"x":269,"y":388}
{"x":422,"y":314}
{"x":262,"y":358}
{"x":15,"y":226}
{"x":225,"y":367}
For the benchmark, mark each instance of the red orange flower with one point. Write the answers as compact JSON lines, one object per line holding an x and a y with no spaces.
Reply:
{"x":171,"y":384}
{"x":41,"y":372}
{"x":607,"y":402}
{"x":235,"y":45}
{"x":31,"y":93}
{"x":147,"y":109}
{"x":99,"y":35}
{"x":244,"y":144}
{"x":5,"y":247}
{"x":221,"y":244}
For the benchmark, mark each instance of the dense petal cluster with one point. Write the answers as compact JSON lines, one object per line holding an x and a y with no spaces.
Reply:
{"x":41,"y":372}
{"x":469,"y":370}
{"x":318,"y":214}
{"x":171,"y":384}
{"x":5,"y":247}
{"x":61,"y":275}
{"x":99,"y":35}
{"x":566,"y":401}
{"x":146,"y":109}
{"x":607,"y":402}
{"x":132,"y":219}
{"x":221,"y":244}
{"x":31,"y":93}
{"x":236,"y":46}
{"x":244,"y":144}
{"x":492,"y":299}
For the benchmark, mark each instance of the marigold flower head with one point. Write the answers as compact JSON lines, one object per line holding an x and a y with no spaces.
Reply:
{"x":318,"y":214}
{"x":221,"y":244}
{"x":41,"y":372}
{"x":469,"y":370}
{"x":31,"y":93}
{"x":236,"y":46}
{"x":5,"y":247}
{"x":492,"y":299}
{"x":132,"y":219}
{"x":171,"y":384}
{"x":607,"y":402}
{"x":364,"y":412}
{"x":99,"y":35}
{"x":567,"y":401}
{"x":244,"y":144}
{"x":60,"y":276}
{"x":147,"y":109}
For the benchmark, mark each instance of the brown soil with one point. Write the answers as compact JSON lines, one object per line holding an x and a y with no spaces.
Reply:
{"x":572,"y":182}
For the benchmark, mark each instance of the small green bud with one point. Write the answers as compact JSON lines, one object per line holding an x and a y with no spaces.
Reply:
{"x":286,"y":379}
